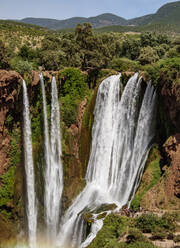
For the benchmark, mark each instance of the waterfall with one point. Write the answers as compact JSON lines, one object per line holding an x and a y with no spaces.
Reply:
{"x":53,"y":165}
{"x":122,"y":136}
{"x":31,"y":210}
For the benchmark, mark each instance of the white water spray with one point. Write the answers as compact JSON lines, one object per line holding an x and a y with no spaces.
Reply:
{"x":31,"y":210}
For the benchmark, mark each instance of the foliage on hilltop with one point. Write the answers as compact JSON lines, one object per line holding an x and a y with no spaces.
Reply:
{"x":85,"y":49}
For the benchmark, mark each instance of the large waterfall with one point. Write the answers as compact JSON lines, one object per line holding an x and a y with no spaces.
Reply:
{"x":31,"y":210}
{"x":53,"y":166}
{"x":122,"y":136}
{"x":121,"y":139}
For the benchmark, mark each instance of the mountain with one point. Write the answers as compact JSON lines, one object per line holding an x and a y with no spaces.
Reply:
{"x":167,"y":14}
{"x":53,"y":23}
{"x":97,"y":21}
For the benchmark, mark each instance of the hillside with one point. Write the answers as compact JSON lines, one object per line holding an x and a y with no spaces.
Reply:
{"x":167,"y":14}
{"x":154,"y":27}
{"x":97,"y":21}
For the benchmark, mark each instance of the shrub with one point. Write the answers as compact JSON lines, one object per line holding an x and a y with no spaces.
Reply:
{"x":168,"y":222}
{"x":21,"y":66}
{"x":177,"y":239}
{"x":73,"y":83}
{"x":160,"y":51}
{"x":52,"y":60}
{"x":141,"y":245}
{"x":7,"y":187}
{"x":170,"y":67}
{"x":148,"y":55}
{"x":172,"y":53}
{"x":159,"y":233}
{"x":69,"y":110}
{"x":131,"y":48}
{"x":124,"y":64}
{"x":73,"y":88}
{"x":27,"y":53}
{"x":150,"y":222}
{"x":147,"y":222}
{"x":135,"y":235}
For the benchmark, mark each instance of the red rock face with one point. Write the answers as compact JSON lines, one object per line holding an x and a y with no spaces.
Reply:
{"x":172,"y":149}
{"x":171,"y":100}
{"x":9,"y":84}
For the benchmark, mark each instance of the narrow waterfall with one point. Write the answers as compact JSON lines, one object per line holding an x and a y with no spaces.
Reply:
{"x":31,"y":210}
{"x":53,"y":165}
{"x":122,"y":136}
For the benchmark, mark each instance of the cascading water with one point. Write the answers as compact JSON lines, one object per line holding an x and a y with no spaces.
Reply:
{"x":29,"y":170}
{"x":53,"y":165}
{"x":121,"y":139}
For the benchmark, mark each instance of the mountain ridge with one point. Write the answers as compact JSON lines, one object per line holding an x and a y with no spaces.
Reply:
{"x":168,"y":13}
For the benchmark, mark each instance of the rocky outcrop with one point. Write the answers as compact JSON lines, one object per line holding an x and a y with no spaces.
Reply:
{"x":170,"y":94}
{"x":172,"y":150}
{"x":166,"y":193}
{"x":9,"y":89}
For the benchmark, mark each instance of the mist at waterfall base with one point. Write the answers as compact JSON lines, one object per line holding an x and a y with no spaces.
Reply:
{"x":122,"y":136}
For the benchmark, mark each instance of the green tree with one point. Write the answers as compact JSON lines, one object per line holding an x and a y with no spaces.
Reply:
{"x":27,"y":53}
{"x":92,"y":51}
{"x":21,"y":66}
{"x":52,"y":59}
{"x":148,"y":39}
{"x":148,"y":55}
{"x":131,"y":48}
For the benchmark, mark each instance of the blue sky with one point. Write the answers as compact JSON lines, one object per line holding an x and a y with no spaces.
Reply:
{"x":61,"y":9}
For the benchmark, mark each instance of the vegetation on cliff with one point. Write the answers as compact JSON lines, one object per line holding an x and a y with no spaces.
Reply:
{"x":80,"y":60}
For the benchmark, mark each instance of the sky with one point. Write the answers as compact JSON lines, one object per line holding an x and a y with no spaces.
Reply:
{"x":62,"y":9}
